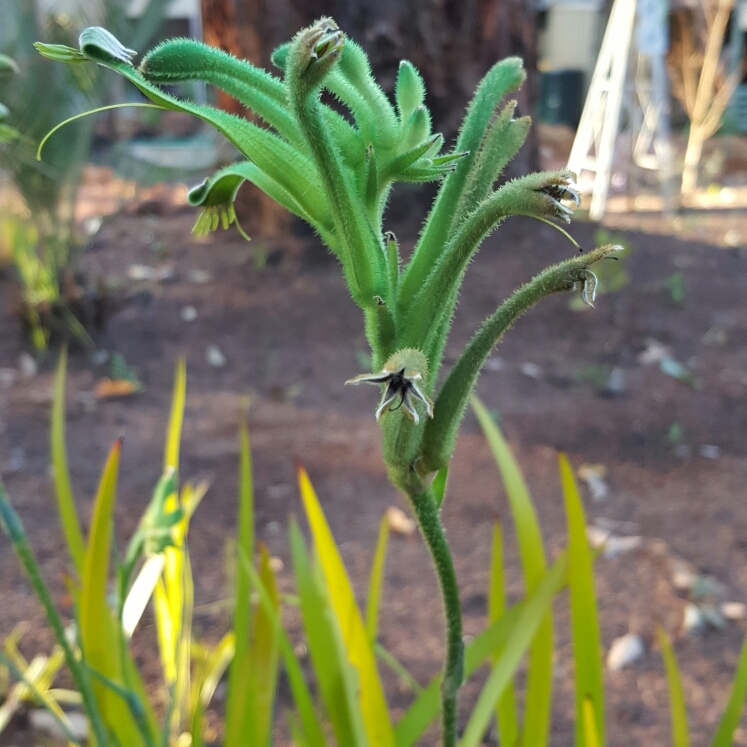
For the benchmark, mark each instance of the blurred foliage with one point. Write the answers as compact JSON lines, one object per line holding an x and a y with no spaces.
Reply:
{"x":674,"y":286}
{"x":34,"y":99}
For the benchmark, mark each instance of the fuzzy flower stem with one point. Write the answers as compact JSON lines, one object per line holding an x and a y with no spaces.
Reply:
{"x":440,"y":432}
{"x":426,"y":512}
{"x":313,"y":54}
{"x":523,"y":196}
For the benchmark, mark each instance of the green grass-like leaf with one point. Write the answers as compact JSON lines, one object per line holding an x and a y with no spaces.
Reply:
{"x":335,"y":675}
{"x":11,"y":524}
{"x":529,"y":622}
{"x":532,"y":554}
{"x":263,"y":658}
{"x":421,"y":713}
{"x":63,"y":487}
{"x":585,"y":625}
{"x":730,"y":720}
{"x":376,"y":581}
{"x":678,"y":708}
{"x":237,"y":677}
{"x":312,"y":730}
{"x":101,"y":639}
{"x":506,"y":715}
{"x":357,"y":643}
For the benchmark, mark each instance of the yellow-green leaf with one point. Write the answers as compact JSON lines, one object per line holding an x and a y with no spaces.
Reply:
{"x":730,"y":720}
{"x":63,"y":487}
{"x":506,"y":717}
{"x":264,"y":652}
{"x":174,"y":433}
{"x":355,"y":637}
{"x":376,"y":582}
{"x":101,"y":641}
{"x":591,"y":735}
{"x":532,"y":614}
{"x":534,"y":566}
{"x":677,"y":707}
{"x":335,"y":675}
{"x":312,"y":730}
{"x":584,"y":622}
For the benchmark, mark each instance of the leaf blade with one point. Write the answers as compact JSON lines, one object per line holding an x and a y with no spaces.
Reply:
{"x":506,"y":715}
{"x":584,"y":621}
{"x":678,"y":708}
{"x":530,"y":619}
{"x":176,"y":418}
{"x":333,"y":671}
{"x":357,"y":644}
{"x":730,"y":718}
{"x":376,"y":581}
{"x":63,"y":487}
{"x":536,"y":727}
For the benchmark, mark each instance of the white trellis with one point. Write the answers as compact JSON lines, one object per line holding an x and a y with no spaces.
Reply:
{"x":645,"y":93}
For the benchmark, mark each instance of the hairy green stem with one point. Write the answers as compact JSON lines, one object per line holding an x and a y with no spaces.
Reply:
{"x":309,"y":61}
{"x":440,"y":432}
{"x":427,"y":514}
{"x":523,"y":196}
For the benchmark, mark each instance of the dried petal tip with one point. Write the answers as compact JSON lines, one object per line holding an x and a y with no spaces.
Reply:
{"x":558,"y":186}
{"x":403,"y":376}
{"x":589,"y":288}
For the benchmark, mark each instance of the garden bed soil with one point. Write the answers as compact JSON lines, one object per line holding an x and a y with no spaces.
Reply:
{"x":279,"y":313}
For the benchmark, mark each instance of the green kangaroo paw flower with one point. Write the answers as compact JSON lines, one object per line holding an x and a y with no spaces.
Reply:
{"x":403,"y":162}
{"x":416,"y":175}
{"x":417,"y":128}
{"x":440,"y":433}
{"x":99,"y":45}
{"x":504,"y":77}
{"x":313,"y":54}
{"x":403,"y":376}
{"x":221,"y":188}
{"x":355,"y":69}
{"x":409,"y":91}
{"x":187,"y":59}
{"x":537,"y":195}
{"x":348,"y":138}
{"x":273,"y":155}
{"x":502,"y":142}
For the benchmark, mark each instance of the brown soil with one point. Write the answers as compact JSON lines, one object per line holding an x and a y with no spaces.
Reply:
{"x":291,"y":336}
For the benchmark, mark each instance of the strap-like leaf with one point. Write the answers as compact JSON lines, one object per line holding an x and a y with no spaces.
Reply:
{"x":357,"y":644}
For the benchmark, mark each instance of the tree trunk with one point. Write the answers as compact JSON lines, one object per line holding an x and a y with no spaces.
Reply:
{"x":260,"y":214}
{"x":452,"y":42}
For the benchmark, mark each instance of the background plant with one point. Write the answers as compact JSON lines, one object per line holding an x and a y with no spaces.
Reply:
{"x":50,"y":297}
{"x":345,"y":704}
{"x":337,"y":172}
{"x":700,"y":77}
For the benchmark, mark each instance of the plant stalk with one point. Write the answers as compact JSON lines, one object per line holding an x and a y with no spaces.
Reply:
{"x":427,"y":515}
